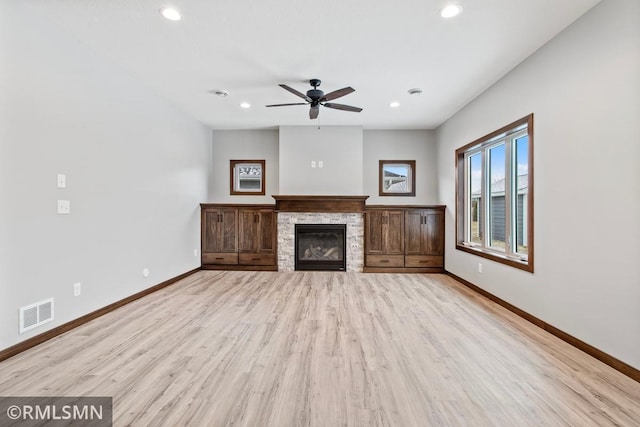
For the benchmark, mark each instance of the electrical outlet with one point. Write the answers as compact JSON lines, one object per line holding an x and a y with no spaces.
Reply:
{"x":77,"y":289}
{"x":479,"y":267}
{"x":313,"y":163}
{"x":64,"y":207}
{"x":145,"y":272}
{"x":320,"y":164}
{"x":195,"y":252}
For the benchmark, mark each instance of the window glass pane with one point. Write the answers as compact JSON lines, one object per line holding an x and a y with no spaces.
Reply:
{"x":396,"y":178}
{"x":497,"y":197}
{"x":248,"y":177}
{"x":522,"y":190}
{"x":475,"y":185}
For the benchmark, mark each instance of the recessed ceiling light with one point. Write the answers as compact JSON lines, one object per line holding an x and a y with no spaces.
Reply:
{"x":451,"y":10}
{"x":245,"y":105}
{"x":170,"y":13}
{"x":394,"y":104}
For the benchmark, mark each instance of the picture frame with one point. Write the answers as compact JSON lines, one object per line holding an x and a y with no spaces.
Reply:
{"x":247,"y":177}
{"x":397,"y":178}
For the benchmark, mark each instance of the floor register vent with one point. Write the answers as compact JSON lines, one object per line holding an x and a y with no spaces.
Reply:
{"x":34,"y":315}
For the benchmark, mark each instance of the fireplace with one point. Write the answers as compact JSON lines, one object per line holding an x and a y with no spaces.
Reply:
{"x":320,"y":247}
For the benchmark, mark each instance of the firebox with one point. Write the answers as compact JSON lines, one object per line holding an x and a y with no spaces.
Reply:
{"x":320,"y":247}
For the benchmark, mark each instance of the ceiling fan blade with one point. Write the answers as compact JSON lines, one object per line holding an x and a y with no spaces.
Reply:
{"x":313,"y":112}
{"x":284,"y":105}
{"x":295,"y":92}
{"x":342,"y":107}
{"x":338,"y":93}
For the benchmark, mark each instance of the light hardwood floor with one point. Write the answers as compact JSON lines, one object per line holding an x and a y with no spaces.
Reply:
{"x":324,"y":349}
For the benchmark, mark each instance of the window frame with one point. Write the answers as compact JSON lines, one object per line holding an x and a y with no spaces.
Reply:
{"x":508,"y":135}
{"x":410,"y":178}
{"x":235,"y":177}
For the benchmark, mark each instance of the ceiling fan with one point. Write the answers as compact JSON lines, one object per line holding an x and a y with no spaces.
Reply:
{"x":315,"y":98}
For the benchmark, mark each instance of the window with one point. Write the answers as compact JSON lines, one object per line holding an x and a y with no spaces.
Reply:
{"x":397,"y":178}
{"x":494,"y":195}
{"x":247,"y":177}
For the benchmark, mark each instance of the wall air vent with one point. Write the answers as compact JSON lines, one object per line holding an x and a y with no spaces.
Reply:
{"x":34,"y":315}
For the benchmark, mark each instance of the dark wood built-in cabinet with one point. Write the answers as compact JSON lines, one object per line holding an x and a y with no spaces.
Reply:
{"x":404,"y":239}
{"x":384,"y":238}
{"x":238,"y":237}
{"x":397,"y":238}
{"x":257,"y":237}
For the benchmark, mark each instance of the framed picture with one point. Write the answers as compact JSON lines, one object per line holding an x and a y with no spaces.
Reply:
{"x":247,"y":177}
{"x":397,"y":178}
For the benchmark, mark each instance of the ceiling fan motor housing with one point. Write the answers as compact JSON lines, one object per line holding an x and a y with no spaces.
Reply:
{"x":315,"y":94}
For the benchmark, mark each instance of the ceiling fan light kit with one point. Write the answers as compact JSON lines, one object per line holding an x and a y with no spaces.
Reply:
{"x":316,"y":97}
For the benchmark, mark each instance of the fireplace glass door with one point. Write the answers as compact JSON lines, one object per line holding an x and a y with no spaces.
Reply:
{"x":320,"y":247}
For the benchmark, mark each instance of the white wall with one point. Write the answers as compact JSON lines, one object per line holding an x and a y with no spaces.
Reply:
{"x":243,"y":145}
{"x":338,"y":147}
{"x":136,"y":169}
{"x":584,"y":89}
{"x":418,"y":145}
{"x":345,"y":152}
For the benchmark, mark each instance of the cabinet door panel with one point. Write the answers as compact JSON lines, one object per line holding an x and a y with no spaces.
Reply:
{"x":210,"y":231}
{"x":267,"y":232}
{"x":394,"y":233}
{"x":374,"y":232}
{"x":433,"y":233}
{"x":248,"y":230}
{"x":229,"y":236}
{"x":413,"y":232}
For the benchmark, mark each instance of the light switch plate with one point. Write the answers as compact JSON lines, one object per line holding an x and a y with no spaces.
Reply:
{"x":313,"y":163}
{"x":62,"y":180}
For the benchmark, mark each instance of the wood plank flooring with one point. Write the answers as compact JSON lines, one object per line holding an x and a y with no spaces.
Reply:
{"x":223,"y":348}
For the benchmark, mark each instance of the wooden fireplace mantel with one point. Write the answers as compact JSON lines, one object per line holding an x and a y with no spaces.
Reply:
{"x":320,"y":203}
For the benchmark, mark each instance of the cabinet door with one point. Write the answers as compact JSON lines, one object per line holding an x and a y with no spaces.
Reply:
{"x":374,"y":232}
{"x":433,"y":232}
{"x":394,"y":233}
{"x":413,"y":232}
{"x":219,"y":230}
{"x":249,"y":221}
{"x":257,"y":229}
{"x":424,"y":232}
{"x":267,"y":231}
{"x":384,"y":232}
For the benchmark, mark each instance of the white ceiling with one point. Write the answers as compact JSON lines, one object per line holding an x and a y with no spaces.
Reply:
{"x":380,"y":48}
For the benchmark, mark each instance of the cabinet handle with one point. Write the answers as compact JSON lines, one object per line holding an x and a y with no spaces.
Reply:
{"x":220,"y":258}
{"x":255,"y":259}
{"x":384,"y":260}
{"x":424,"y":262}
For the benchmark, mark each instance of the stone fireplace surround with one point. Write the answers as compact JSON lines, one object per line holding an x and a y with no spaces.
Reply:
{"x":347,"y":210}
